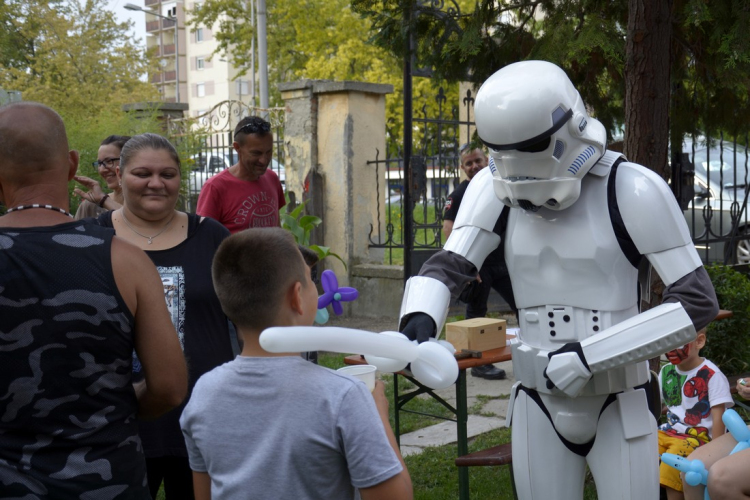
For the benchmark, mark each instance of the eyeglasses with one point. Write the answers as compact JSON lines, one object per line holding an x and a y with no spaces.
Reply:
{"x":106,"y":163}
{"x":254,"y":128}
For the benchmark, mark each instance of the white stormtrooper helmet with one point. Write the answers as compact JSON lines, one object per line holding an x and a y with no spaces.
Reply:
{"x":541,"y":140}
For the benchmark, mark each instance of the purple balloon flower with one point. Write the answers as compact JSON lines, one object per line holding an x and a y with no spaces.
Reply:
{"x":333,"y":294}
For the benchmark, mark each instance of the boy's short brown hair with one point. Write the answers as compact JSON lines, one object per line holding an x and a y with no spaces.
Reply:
{"x":252,"y":270}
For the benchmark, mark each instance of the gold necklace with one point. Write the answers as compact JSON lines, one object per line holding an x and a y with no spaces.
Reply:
{"x":149,"y":238}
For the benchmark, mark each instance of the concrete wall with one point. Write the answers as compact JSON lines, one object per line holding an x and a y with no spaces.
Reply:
{"x":331,"y":130}
{"x":381,"y":288}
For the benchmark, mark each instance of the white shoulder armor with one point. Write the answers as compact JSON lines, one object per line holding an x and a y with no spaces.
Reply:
{"x":472,"y":236}
{"x":654,"y":222}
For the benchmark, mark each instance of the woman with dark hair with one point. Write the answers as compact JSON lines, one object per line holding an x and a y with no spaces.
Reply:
{"x":95,"y":201}
{"x":182,"y":247}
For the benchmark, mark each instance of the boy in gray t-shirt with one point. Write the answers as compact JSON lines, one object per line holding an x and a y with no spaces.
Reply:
{"x":276,"y":426}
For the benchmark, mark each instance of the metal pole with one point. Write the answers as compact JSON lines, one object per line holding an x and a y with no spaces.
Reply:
{"x":407,"y":207}
{"x":262,"y":56}
{"x":252,"y":55}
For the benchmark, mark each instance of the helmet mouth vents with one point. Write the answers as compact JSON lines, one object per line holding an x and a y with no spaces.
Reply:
{"x":528,"y":206}
{"x":559,"y":149}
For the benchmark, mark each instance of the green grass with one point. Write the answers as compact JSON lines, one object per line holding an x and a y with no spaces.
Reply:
{"x":433,"y":472}
{"x":435,"y":476}
{"x":422,"y":237}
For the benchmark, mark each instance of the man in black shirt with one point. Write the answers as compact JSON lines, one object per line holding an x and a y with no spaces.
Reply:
{"x":493,"y":274}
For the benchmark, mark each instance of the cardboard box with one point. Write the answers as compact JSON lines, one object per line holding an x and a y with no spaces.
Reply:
{"x":477,"y":334}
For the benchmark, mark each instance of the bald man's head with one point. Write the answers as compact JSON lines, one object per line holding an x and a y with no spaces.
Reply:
{"x":32,"y":140}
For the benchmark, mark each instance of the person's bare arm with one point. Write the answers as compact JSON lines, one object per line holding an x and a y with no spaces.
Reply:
{"x":201,"y":485}
{"x":94,"y":193}
{"x":710,"y":453}
{"x":398,"y":487}
{"x":156,"y":342}
{"x":718,"y":424}
{"x":447,"y":228}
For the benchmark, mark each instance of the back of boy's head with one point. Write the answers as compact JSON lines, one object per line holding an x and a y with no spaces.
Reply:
{"x":252,"y":271}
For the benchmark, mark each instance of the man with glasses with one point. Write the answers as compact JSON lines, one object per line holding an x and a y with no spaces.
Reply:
{"x":493,"y":273}
{"x":247,"y":194}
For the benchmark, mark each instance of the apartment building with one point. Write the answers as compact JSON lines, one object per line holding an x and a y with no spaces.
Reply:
{"x":189,"y":71}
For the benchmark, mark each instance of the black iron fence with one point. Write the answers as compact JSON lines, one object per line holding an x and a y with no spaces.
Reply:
{"x":712,"y":188}
{"x":434,"y":174}
{"x":713,"y":193}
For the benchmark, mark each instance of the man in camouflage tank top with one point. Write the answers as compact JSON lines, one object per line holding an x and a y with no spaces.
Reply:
{"x":74,"y":302}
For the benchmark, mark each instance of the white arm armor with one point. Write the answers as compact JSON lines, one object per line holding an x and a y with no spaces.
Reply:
{"x":426,"y":295}
{"x":639,"y":338}
{"x":472,"y":236}
{"x":654,"y":222}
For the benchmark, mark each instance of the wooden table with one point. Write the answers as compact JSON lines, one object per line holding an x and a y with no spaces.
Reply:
{"x":460,"y":410}
{"x":723,"y":314}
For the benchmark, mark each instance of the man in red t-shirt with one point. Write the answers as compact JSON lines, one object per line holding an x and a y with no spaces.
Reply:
{"x":247,"y":194}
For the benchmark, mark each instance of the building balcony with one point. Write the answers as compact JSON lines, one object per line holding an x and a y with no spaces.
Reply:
{"x":159,"y":24}
{"x":169,"y":76}
{"x":151,"y":2}
{"x":155,"y":78}
{"x":167,"y":49}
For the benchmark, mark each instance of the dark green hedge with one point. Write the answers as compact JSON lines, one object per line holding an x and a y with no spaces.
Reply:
{"x":728,"y":340}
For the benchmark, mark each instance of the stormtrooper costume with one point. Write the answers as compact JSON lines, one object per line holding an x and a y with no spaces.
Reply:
{"x":575,"y":222}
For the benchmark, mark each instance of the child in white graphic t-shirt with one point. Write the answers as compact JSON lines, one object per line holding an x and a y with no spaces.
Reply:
{"x":696,"y":394}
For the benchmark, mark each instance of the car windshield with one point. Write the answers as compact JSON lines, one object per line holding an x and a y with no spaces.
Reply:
{"x":722,"y":165}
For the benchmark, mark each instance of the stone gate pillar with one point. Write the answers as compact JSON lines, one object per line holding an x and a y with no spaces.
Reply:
{"x":331,"y":130}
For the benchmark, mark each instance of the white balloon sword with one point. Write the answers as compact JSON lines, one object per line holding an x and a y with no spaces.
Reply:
{"x":431,"y":364}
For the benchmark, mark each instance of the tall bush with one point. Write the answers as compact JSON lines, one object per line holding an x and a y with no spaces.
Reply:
{"x":728,"y":340}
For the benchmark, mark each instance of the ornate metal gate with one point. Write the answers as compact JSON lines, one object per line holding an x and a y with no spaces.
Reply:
{"x":433,"y":175}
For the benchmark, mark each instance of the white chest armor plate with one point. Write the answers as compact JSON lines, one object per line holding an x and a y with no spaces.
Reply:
{"x":570,"y":280}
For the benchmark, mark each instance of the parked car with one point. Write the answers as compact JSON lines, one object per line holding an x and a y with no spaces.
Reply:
{"x":721,"y":180}
{"x":207,"y":164}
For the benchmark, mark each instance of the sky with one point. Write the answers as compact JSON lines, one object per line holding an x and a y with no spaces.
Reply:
{"x":122,"y":15}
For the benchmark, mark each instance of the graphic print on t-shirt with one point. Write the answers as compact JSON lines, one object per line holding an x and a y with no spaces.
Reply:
{"x":261,"y":208}
{"x":173,"y":280}
{"x":689,"y":397}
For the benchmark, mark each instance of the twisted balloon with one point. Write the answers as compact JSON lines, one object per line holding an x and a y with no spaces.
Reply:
{"x":333,"y":294}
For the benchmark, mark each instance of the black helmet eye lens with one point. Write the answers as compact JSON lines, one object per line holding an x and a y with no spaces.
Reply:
{"x":537,"y":147}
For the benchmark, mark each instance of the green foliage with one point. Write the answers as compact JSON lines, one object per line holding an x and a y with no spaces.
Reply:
{"x":301,"y":226}
{"x":727,"y":341}
{"x":317,"y":39}
{"x":710,"y":50}
{"x":74,"y":57}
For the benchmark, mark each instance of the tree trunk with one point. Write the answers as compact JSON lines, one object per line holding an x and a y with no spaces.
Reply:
{"x":647,"y":98}
{"x":647,"y":83}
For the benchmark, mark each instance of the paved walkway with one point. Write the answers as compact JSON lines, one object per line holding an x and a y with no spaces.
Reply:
{"x":492,"y":394}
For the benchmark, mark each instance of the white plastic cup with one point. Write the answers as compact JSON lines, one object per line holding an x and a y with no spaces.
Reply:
{"x":365,"y":373}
